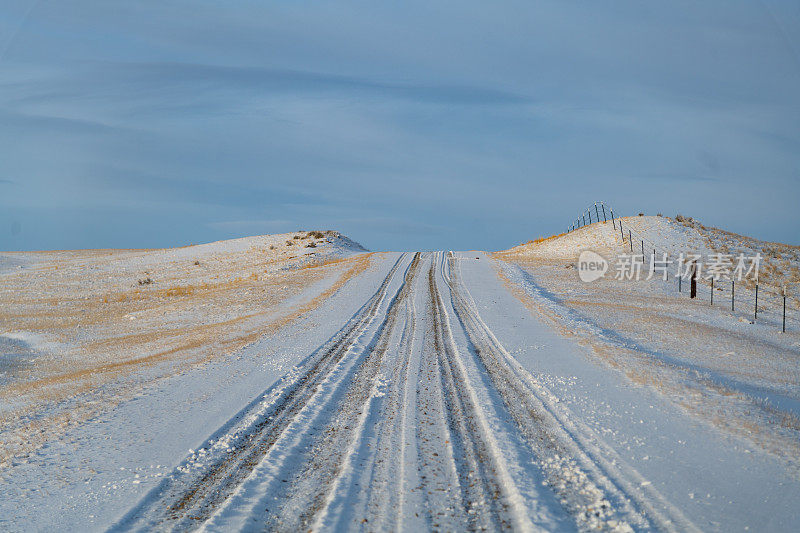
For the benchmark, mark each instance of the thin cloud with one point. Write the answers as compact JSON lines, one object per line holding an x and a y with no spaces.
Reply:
{"x":403,"y":126}
{"x":115,"y":80}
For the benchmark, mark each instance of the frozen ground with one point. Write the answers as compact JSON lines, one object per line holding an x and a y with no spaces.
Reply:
{"x":417,"y":391}
{"x":80,"y":330}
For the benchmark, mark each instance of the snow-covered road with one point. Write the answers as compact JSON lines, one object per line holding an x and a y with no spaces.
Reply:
{"x":441,"y":403}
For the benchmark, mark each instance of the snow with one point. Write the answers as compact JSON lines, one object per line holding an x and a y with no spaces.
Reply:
{"x":111,"y":460}
{"x":341,"y":390}
{"x":660,"y":446}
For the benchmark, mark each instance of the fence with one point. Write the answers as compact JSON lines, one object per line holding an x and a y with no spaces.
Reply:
{"x":764,"y":302}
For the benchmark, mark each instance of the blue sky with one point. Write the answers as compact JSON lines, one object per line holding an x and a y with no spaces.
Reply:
{"x":405,"y":125}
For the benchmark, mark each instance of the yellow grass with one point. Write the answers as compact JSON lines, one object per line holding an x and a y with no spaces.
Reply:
{"x":127,"y":331}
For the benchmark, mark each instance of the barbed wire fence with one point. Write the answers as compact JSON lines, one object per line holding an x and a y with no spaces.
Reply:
{"x":750,"y":298}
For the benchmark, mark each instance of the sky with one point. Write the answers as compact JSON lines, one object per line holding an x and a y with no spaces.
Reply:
{"x":404,"y":125}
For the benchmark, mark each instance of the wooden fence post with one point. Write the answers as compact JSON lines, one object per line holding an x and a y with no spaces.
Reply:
{"x":755,"y":309}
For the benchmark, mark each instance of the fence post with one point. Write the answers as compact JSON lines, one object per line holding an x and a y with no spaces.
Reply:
{"x":642,"y":250}
{"x":733,"y":293}
{"x":604,"y":213}
{"x":614,"y":223}
{"x":630,"y":240}
{"x":693,"y":286}
{"x":755,"y":311}
{"x":596,"y":212}
{"x":590,"y":215}
{"x":584,"y":219}
{"x":622,"y":233}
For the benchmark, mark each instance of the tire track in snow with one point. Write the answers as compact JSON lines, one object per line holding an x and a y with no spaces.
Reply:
{"x":387,"y":459}
{"x":584,"y":472}
{"x":319,"y":497}
{"x":490,"y":498}
{"x":330,"y":446}
{"x":207,"y":478}
{"x":437,"y":461}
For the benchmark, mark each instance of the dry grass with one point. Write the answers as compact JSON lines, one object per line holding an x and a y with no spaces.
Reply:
{"x":112,"y":335}
{"x":724,"y":407}
{"x":536,"y":241}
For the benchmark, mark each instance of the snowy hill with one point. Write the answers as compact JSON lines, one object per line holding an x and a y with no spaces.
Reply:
{"x":73,"y":318}
{"x":780,"y":263}
{"x":301,"y":243}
